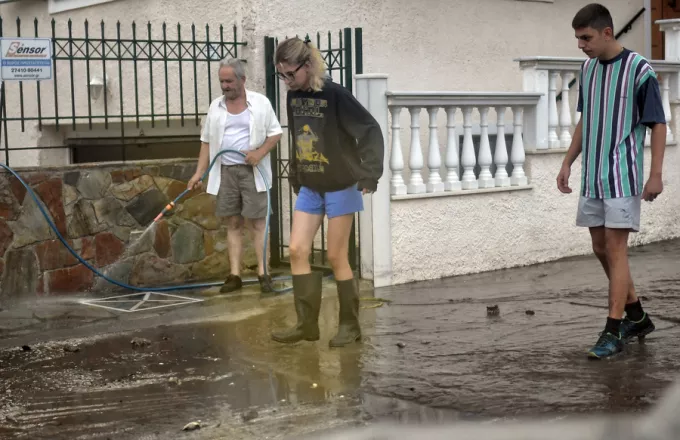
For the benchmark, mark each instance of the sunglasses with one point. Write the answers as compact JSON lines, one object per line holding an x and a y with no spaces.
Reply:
{"x":289,"y":75}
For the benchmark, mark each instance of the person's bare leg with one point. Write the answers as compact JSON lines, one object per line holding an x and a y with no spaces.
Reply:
{"x":600,"y":250}
{"x":235,"y":243}
{"x":257,"y":229}
{"x":305,"y":227}
{"x":619,"y":281}
{"x":339,"y":230}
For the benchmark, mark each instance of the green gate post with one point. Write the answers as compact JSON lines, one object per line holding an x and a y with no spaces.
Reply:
{"x":270,"y":84}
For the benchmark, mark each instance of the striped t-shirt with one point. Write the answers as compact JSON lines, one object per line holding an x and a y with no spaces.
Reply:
{"x":618,"y":99}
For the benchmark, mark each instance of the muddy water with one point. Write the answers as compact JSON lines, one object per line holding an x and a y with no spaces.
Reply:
{"x":519,"y":364}
{"x":433,"y":354}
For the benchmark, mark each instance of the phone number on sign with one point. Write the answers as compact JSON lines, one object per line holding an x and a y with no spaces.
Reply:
{"x":25,"y":70}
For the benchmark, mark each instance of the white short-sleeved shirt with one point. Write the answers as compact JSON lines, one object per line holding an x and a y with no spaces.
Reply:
{"x":263,"y":124}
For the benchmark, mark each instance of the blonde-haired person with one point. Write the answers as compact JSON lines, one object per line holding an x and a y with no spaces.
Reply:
{"x":339,"y":150}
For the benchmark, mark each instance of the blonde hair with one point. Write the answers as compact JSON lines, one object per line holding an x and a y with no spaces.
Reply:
{"x":296,"y":51}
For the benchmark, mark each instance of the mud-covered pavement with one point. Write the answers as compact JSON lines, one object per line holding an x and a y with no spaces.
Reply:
{"x":431,"y":354}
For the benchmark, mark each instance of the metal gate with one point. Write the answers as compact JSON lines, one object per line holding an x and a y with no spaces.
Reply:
{"x":344,"y":58}
{"x":118,"y":82}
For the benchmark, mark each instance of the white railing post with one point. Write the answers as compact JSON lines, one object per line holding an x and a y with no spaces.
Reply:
{"x":665,"y":98}
{"x":565,"y":112}
{"x":501,"y":153}
{"x":434,"y":160}
{"x":648,"y":137}
{"x":577,"y":84}
{"x":553,"y":140}
{"x":671,"y":36}
{"x":375,"y":220}
{"x":517,"y":154}
{"x":452,"y":180}
{"x":469,"y":181}
{"x":535,"y":79}
{"x":485,"y":160}
{"x":397,"y":186}
{"x":415,"y":163}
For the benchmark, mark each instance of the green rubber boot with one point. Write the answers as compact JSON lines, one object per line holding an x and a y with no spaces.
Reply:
{"x":307,"y":297}
{"x":348,"y":328}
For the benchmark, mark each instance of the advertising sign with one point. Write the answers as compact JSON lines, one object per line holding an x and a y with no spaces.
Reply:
{"x":25,"y":59}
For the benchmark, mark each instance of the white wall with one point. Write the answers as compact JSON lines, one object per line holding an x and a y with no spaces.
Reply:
{"x":448,"y":45}
{"x":446,"y":236}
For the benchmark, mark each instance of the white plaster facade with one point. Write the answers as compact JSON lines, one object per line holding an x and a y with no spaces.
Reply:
{"x":448,"y":45}
{"x":445,"y":236}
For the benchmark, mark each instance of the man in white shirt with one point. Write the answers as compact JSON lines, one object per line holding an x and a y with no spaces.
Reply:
{"x":240,"y":120}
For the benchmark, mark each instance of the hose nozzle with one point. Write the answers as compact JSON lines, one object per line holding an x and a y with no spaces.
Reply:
{"x":165,"y":210}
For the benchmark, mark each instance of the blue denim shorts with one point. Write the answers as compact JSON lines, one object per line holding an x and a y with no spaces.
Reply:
{"x":333,"y":204}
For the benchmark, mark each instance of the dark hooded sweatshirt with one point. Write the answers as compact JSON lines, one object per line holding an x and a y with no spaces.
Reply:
{"x":337,"y":141}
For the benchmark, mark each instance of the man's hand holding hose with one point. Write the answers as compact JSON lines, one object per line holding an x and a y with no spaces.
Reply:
{"x":201,"y":167}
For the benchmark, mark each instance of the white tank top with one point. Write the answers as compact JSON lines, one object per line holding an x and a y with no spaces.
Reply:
{"x":236,"y":137}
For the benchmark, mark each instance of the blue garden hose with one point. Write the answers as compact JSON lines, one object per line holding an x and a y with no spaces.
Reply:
{"x":169,"y":207}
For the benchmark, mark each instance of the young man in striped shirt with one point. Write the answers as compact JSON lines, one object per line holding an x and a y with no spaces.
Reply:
{"x":618,"y":99}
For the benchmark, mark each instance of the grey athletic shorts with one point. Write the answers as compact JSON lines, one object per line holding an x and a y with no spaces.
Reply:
{"x":238,"y":195}
{"x":618,"y":213}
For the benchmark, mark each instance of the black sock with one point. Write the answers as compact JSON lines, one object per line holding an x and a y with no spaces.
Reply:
{"x":634,"y":311}
{"x":613,"y":326}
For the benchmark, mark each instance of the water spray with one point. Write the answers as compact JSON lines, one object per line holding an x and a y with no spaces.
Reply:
{"x":168,"y":208}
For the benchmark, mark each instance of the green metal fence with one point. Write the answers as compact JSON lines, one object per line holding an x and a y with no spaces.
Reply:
{"x":161,"y":77}
{"x":343,"y":54}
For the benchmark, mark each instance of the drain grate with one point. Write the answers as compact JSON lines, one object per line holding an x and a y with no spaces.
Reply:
{"x":136,"y":302}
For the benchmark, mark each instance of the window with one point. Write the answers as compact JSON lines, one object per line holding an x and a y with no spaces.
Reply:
{"x":55,"y":6}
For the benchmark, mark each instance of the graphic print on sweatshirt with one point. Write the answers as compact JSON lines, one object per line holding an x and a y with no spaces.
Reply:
{"x":309,"y":114}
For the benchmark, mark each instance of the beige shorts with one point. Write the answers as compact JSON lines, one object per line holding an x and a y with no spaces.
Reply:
{"x":238,"y":194}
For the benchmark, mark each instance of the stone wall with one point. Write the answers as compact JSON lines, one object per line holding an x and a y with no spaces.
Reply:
{"x":102,"y":210}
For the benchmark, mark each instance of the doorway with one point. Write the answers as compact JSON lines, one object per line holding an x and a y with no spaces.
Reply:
{"x":662,"y":10}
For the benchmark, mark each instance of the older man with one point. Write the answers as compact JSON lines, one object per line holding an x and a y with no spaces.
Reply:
{"x":240,"y":120}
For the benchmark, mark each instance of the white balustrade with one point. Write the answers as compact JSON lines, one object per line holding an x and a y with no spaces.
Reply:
{"x":665,"y":97}
{"x":501,"y":153}
{"x":565,"y":112}
{"x":577,"y":84}
{"x":517,"y":155}
{"x":485,"y":160}
{"x":415,"y":183}
{"x":553,"y":140}
{"x":434,"y":161}
{"x":469,"y":180}
{"x":648,"y":138}
{"x":476,"y":130}
{"x":452,"y":181}
{"x":397,"y":186}
{"x":549,"y":126}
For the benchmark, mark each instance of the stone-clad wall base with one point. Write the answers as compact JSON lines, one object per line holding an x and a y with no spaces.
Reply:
{"x":102,"y":212}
